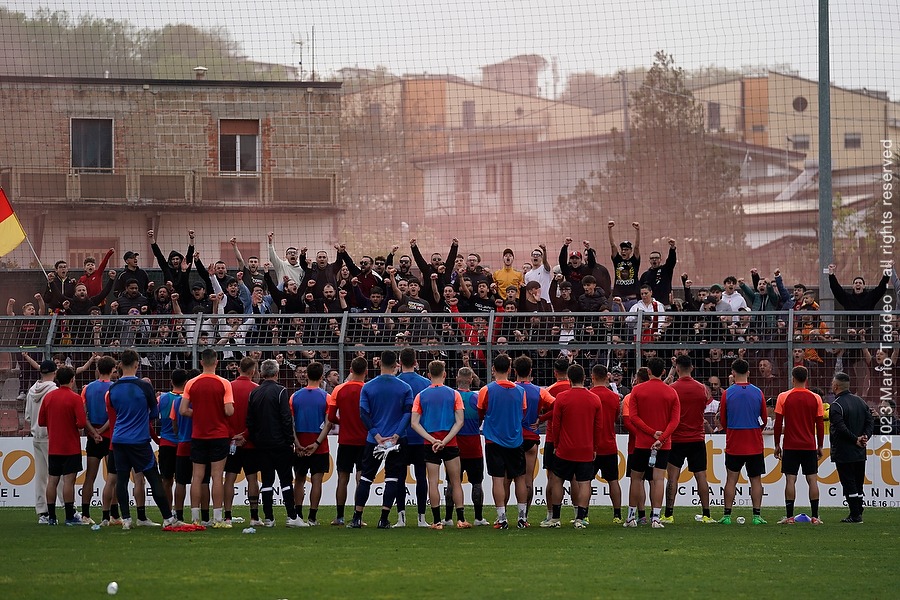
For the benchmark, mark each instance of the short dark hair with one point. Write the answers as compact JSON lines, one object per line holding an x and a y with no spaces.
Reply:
{"x":642,"y":375}
{"x":130,"y":358}
{"x":388,"y":358}
{"x":600,"y":371}
{"x":800,"y":286}
{"x":575,"y":373}
{"x":842,"y":377}
{"x":522,"y":365}
{"x":436,"y":368}
{"x":730,"y":279}
{"x":209,"y":357}
{"x":59,"y":262}
{"x":740,"y":366}
{"x":179,"y":377}
{"x":359,"y":365}
{"x":408,"y":357}
{"x":657,"y":366}
{"x":105,"y":365}
{"x":376,"y":290}
{"x":315,"y":370}
{"x":247,"y":365}
{"x":800,"y":374}
{"x":560,"y":365}
{"x":502,"y":363}
{"x":64,"y":375}
{"x":588,"y":279}
{"x":684,"y":361}
{"x":131,"y":280}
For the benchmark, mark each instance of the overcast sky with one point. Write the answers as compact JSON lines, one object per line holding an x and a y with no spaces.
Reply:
{"x":460,"y":36}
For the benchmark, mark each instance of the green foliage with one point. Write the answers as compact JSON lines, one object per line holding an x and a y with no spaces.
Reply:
{"x":55,"y":44}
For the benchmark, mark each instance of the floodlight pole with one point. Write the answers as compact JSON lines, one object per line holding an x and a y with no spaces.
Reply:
{"x":826,"y":223}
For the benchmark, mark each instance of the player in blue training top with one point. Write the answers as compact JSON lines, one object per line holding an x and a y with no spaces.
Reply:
{"x":414,"y":444}
{"x":385,"y":404}
{"x":98,"y":426}
{"x":131,"y":403}
{"x":168,"y":437}
{"x":437,"y":415}
{"x":309,"y":406}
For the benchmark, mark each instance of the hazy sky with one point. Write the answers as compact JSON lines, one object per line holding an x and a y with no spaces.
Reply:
{"x":460,"y":36}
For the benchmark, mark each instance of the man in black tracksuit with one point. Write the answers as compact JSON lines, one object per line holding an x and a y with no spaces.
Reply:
{"x":270,"y":426}
{"x":852,"y":425}
{"x":173,"y":269}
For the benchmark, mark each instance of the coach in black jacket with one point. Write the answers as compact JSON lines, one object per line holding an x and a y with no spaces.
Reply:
{"x":852,"y":425}
{"x":270,"y":426}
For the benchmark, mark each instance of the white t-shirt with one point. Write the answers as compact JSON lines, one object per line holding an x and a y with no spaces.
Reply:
{"x":543,"y":276}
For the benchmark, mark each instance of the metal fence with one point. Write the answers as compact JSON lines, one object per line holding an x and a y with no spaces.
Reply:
{"x":864,"y":344}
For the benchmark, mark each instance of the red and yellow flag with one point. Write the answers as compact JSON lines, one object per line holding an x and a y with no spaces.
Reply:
{"x":11,"y":232}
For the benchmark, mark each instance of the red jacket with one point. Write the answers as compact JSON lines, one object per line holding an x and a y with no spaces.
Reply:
{"x":654,"y":407}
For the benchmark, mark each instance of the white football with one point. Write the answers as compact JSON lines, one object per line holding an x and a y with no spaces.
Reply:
{"x":741,"y":520}
{"x":113,"y":588}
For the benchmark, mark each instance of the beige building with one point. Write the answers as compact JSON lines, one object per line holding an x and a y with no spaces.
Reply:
{"x":91,"y":164}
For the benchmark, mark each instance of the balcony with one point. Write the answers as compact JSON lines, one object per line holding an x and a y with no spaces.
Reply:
{"x":148,"y":187}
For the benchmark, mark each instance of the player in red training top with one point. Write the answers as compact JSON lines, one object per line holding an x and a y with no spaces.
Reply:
{"x":245,"y":457}
{"x":607,"y":461}
{"x":343,"y":410}
{"x":577,"y":430}
{"x":742,"y":414}
{"x":560,"y":366}
{"x":642,"y":375}
{"x":799,"y":414}
{"x":437,"y":416}
{"x":209,"y":401}
{"x":655,"y":411}
{"x":62,"y":413}
{"x":689,"y":439}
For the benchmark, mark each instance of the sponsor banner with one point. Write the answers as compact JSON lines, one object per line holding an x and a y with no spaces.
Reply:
{"x":882,"y":487}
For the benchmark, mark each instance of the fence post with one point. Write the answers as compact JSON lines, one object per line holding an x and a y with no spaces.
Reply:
{"x":51,"y":332}
{"x":195,"y":337}
{"x":789,"y":329}
{"x":637,"y":345}
{"x":489,"y":342}
{"x":342,"y":343}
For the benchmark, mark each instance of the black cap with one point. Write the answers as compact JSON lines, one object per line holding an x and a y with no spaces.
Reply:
{"x":47,"y":367}
{"x":198,"y":286}
{"x":716,"y":288}
{"x":130,"y":254}
{"x":625,"y":244}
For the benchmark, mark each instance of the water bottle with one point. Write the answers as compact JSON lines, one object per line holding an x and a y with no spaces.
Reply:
{"x":232,"y":448}
{"x":651,"y":462}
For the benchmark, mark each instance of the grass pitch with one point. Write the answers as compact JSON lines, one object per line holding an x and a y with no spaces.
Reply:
{"x":685,"y":560}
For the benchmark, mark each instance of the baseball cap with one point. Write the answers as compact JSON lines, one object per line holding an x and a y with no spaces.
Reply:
{"x":532,"y":285}
{"x":716,"y":288}
{"x":47,"y":367}
{"x":625,"y":244}
{"x":130,"y":254}
{"x":198,"y":286}
{"x":575,"y":254}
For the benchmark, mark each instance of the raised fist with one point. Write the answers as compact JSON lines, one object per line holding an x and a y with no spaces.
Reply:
{"x":671,"y":242}
{"x":777,"y":273}
{"x":191,"y":233}
{"x":831,"y":269}
{"x":567,"y":241}
{"x":233,"y":241}
{"x":266,"y":266}
{"x":354,"y":281}
{"x":239,"y":275}
{"x":175,"y":296}
{"x":342,"y":293}
{"x":434,"y":276}
{"x":412,"y":243}
{"x":611,"y":224}
{"x":455,"y":241}
{"x":112,"y":274}
{"x":150,"y":234}
{"x":587,"y":244}
{"x":271,"y":236}
{"x":442,"y":269}
{"x":636,"y":225}
{"x":754,"y":271}
{"x":394,"y":248}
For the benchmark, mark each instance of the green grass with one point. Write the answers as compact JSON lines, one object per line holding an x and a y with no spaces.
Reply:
{"x":686,"y":560}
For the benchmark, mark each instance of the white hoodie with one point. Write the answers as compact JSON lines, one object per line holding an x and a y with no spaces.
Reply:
{"x":33,"y":406}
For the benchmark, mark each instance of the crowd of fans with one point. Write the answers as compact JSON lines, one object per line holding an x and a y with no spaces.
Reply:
{"x":289,"y":306}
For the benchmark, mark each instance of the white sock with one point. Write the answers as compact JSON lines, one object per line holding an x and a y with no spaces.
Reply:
{"x":217,"y":514}
{"x":195,"y":514}
{"x":632,"y":513}
{"x":422,"y":518}
{"x":523,"y":511}
{"x":501,"y":513}
{"x":654,"y":514}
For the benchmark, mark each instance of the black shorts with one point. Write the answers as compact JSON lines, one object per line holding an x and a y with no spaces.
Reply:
{"x":415,"y":453}
{"x":166,"y":457}
{"x":694,"y":452}
{"x":111,"y":462}
{"x":312,"y":464}
{"x":529,"y":444}
{"x":394,"y":465}
{"x":184,"y":470}
{"x":793,"y":460}
{"x":473,"y":468}
{"x":641,"y":457}
{"x":505,"y":462}
{"x":63,"y":464}
{"x":96,"y":449}
{"x":134,"y":457}
{"x":245,"y":459}
{"x":349,"y":457}
{"x":446,"y":453}
{"x":755,"y":463}
{"x":608,"y":466}
{"x":549,"y":456}
{"x":568,"y":470}
{"x":209,"y":451}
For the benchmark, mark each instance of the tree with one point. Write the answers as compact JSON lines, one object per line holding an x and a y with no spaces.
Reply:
{"x":668,"y":174}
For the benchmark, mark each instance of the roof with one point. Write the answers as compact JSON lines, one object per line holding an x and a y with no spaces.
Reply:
{"x":326,"y":85}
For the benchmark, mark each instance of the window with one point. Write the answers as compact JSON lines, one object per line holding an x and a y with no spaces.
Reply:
{"x":468,"y":116}
{"x":83,"y":247}
{"x":463,"y":180}
{"x":490,"y":179}
{"x":375,"y":113}
{"x":92,"y":145}
{"x":799,"y":141}
{"x":713,"y":116}
{"x":248,"y":249}
{"x":506,"y":184}
{"x":758,"y":128}
{"x":238,"y":146}
{"x":852,"y":141}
